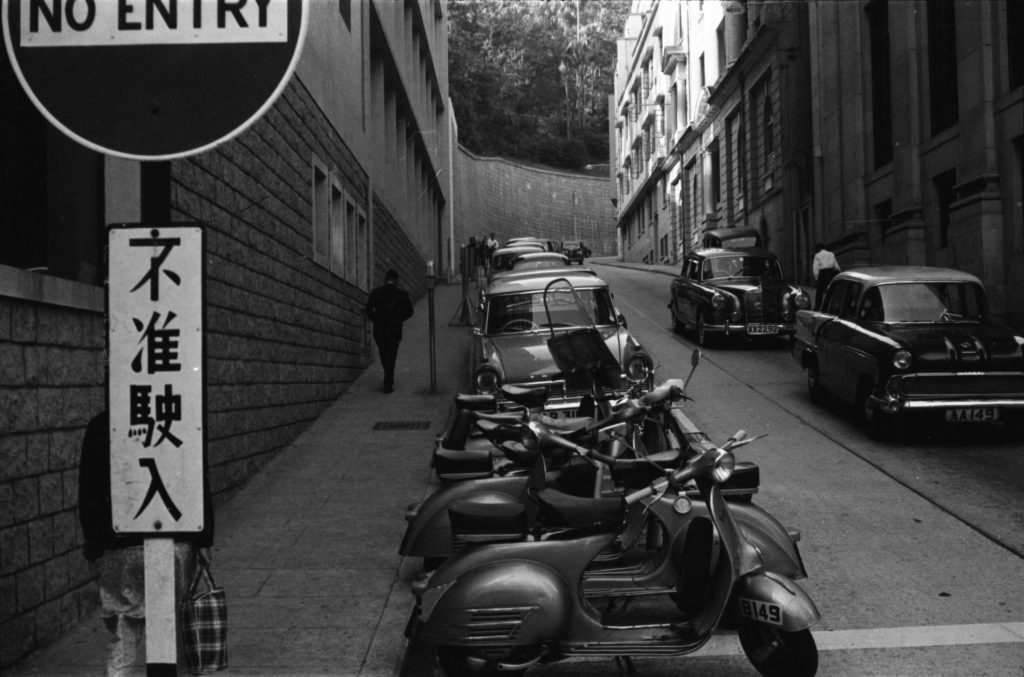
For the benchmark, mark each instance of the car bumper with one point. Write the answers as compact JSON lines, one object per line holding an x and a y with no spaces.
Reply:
{"x":930,"y":392}
{"x":752,"y":328}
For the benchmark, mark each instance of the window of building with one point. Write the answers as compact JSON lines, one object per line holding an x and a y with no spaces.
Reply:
{"x":942,"y":70}
{"x":720,"y":45}
{"x":345,"y":8}
{"x":321,"y":217}
{"x":1015,"y":43}
{"x":337,"y":229}
{"x":52,"y":192}
{"x":945,"y":195}
{"x":881,"y":81}
{"x":768,"y":123}
{"x":716,"y":174}
{"x":703,"y":72}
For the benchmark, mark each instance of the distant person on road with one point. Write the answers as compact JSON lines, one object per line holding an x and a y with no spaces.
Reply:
{"x":824,"y":267}
{"x":118,"y":561}
{"x":388,"y":307}
{"x":492,"y":246}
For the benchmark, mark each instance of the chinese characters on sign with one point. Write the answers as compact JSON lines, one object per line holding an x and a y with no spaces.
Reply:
{"x":155,"y":312}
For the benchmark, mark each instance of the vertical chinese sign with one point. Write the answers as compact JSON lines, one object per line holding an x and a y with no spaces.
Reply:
{"x":156,"y":377}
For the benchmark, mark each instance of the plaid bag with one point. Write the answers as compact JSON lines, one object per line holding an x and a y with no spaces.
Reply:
{"x":204,"y":625}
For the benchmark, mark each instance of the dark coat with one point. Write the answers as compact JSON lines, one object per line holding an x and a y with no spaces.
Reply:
{"x":94,"y":511}
{"x":388,"y":307}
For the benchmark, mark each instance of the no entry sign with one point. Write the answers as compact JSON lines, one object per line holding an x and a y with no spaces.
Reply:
{"x":153,"y":79}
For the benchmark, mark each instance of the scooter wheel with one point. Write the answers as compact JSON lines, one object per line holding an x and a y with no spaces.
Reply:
{"x":778,"y":653}
{"x":460,"y":661}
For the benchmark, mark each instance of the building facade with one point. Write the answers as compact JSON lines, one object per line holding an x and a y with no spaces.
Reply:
{"x":919,"y":137}
{"x":713,"y":108}
{"x":346,"y":175}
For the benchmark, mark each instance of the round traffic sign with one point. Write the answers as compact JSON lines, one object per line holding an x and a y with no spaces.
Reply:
{"x":153,"y":79}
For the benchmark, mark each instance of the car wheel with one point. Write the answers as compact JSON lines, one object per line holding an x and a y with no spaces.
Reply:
{"x":703,"y":336}
{"x":814,"y":388}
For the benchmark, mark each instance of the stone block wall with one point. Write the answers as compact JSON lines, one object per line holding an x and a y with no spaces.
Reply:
{"x":512,"y":199}
{"x":51,"y":384}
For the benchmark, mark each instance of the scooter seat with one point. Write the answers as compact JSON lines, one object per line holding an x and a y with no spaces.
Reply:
{"x":558,"y":509}
{"x":461,"y":464}
{"x":639,"y":472}
{"x":475,"y":402}
{"x":487,"y":518}
{"x":531,"y":398}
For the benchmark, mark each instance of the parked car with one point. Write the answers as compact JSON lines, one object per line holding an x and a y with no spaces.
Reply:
{"x":732,"y":238}
{"x":898,"y":340}
{"x":734,"y":292}
{"x":510,"y":342}
{"x":576,"y":251}
{"x":548,"y":245}
{"x":502,"y":258}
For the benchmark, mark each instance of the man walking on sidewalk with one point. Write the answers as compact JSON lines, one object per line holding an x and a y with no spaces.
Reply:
{"x":388,"y":307}
{"x":823,"y":268}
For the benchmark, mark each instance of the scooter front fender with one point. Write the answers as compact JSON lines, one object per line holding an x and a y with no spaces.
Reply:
{"x":766,"y":597}
{"x":777,"y":549}
{"x":514,"y":602}
{"x":429,"y":532}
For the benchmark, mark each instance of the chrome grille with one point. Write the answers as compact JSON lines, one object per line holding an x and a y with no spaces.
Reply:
{"x":959,"y":385}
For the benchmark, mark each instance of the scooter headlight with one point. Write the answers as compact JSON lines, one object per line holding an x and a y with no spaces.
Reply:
{"x":487,"y":381}
{"x":724,"y":466}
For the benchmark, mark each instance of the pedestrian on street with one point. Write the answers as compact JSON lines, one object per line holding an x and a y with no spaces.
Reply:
{"x":492,"y":246}
{"x":388,"y":307}
{"x":824,"y":267}
{"x":118,"y":561}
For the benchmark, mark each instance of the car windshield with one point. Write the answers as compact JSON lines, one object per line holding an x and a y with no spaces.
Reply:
{"x":571,"y":245}
{"x":723,"y":267}
{"x":924,"y":302}
{"x":513,"y":313}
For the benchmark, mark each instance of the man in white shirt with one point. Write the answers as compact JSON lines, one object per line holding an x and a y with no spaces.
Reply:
{"x":823,"y":268}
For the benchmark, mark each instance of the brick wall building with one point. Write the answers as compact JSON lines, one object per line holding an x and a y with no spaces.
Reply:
{"x":303,"y":213}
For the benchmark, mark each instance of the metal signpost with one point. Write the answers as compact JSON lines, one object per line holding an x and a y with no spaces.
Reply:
{"x":155,"y":80}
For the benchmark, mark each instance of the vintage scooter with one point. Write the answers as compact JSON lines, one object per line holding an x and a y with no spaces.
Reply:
{"x":428,"y":531}
{"x":509,"y":601}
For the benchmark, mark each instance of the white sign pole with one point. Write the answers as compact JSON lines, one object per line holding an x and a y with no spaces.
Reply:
{"x":156,"y":404}
{"x":161,"y":619}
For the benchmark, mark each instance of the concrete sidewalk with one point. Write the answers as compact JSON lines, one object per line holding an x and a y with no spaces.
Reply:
{"x":308,"y":550}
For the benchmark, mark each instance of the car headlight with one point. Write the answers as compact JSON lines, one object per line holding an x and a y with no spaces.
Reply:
{"x":724,"y":466}
{"x":487,"y":381}
{"x":902,"y":359}
{"x":801,"y":300}
{"x":719,"y":301}
{"x":638,"y":367}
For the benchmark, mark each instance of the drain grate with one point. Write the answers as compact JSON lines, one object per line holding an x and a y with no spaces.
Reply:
{"x":401,"y":425}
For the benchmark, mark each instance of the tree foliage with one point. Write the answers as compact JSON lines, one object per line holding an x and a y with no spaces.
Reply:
{"x":530,"y":79}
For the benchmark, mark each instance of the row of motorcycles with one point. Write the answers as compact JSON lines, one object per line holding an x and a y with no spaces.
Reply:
{"x":619,"y":534}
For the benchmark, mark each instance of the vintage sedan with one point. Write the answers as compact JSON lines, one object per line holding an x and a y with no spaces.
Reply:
{"x":510,"y":341}
{"x":898,"y":340}
{"x":734,"y":292}
{"x":575,"y":250}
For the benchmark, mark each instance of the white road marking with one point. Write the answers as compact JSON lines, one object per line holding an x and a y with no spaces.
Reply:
{"x":891,"y":638}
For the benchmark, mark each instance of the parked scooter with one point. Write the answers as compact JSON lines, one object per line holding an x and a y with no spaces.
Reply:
{"x":650,"y":443}
{"x":509,"y":601}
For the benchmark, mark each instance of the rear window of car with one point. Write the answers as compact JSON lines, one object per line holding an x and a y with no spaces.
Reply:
{"x":925,"y":302}
{"x":514,"y":313}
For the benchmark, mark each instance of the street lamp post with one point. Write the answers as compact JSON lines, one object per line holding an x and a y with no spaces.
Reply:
{"x":431,"y":283}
